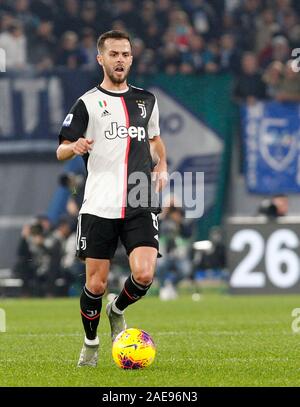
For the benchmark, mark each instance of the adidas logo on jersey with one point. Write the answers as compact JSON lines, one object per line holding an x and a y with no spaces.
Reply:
{"x":123,"y":132}
{"x":105,"y":113}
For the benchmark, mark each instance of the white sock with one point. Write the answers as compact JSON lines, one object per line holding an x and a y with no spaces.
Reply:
{"x":91,"y":342}
{"x":115,"y":309}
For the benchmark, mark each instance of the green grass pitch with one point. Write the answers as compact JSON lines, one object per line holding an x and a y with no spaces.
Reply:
{"x":220,"y":340}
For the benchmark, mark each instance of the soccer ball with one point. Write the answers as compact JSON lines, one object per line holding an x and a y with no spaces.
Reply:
{"x":133,"y":349}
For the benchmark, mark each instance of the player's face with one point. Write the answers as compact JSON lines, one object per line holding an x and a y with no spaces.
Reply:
{"x":116,"y":59}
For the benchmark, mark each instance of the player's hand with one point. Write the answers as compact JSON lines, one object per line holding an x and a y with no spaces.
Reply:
{"x":82,"y":146}
{"x":160,"y":176}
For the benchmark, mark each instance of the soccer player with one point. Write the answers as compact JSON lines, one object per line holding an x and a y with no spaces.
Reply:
{"x":115,"y":127}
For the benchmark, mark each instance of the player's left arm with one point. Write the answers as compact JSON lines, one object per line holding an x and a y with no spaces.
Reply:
{"x":160,"y":171}
{"x":158,"y":150}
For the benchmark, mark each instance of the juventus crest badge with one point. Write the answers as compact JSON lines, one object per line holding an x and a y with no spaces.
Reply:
{"x":141,"y":105}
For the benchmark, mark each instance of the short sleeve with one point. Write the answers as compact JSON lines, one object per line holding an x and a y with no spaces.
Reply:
{"x":153,"y":125}
{"x":75,"y":123}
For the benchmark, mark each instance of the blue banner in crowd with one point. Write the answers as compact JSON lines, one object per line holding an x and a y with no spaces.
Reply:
{"x":271,"y":134}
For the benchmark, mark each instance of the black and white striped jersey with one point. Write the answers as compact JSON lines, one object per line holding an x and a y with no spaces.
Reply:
{"x":119,"y":165}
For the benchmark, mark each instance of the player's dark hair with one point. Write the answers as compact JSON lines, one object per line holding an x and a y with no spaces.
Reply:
{"x":118,"y":35}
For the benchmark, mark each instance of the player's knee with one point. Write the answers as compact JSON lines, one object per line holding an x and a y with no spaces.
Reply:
{"x":96,"y":286}
{"x":144,"y":275}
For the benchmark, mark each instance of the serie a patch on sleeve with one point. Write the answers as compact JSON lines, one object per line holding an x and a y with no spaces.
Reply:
{"x":68,"y":120}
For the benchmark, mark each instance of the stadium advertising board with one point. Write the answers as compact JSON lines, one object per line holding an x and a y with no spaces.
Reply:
{"x":35,"y":105}
{"x":263,"y":257}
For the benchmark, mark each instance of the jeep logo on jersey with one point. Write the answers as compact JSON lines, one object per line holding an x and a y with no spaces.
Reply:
{"x":123,"y":132}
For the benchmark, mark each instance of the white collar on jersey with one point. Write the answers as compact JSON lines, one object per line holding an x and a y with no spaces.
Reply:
{"x":114,"y":92}
{"x":118,"y":91}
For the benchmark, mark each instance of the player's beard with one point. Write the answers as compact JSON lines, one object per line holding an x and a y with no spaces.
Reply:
{"x":114,"y":78}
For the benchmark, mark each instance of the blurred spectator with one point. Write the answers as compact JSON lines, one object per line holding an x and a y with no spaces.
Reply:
{"x":231,"y":5}
{"x":56,"y":276}
{"x":288,"y":89}
{"x":228,"y":25}
{"x":24,"y":15}
{"x":210,"y":255}
{"x":138,"y":48}
{"x":75,"y":184}
{"x":126,"y":12}
{"x":14,"y":43}
{"x":272,"y":78}
{"x":194,"y":55}
{"x":5,"y":7}
{"x":296,"y":6}
{"x":203,"y":16}
{"x":249,"y":86}
{"x":152,"y":35}
{"x":68,"y":19}
{"x":229,"y":59}
{"x":43,"y":220}
{"x":291,"y":27}
{"x":212,"y":57}
{"x":24,"y":267}
{"x":88,"y":49}
{"x":73,"y":270}
{"x":88,"y":16}
{"x":143,"y":58}
{"x":266,"y":28}
{"x":281,"y":7}
{"x":180,"y":28}
{"x":279,"y":50}
{"x":42,"y":46}
{"x":147,"y":16}
{"x":33,"y":260}
{"x":277,"y":206}
{"x":162,"y":9}
{"x":175,"y":247}
{"x":70,"y":54}
{"x":6,"y":21}
{"x":45,"y":10}
{"x":119,"y":25}
{"x":186,"y":69}
{"x":244,"y":18}
{"x":218,"y":256}
{"x":169,"y":57}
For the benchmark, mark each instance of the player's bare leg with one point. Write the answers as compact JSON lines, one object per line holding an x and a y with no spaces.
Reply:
{"x":142,"y":262}
{"x":90,"y":307}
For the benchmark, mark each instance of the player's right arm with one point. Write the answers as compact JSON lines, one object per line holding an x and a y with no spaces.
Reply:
{"x":71,"y":137}
{"x":68,"y":149}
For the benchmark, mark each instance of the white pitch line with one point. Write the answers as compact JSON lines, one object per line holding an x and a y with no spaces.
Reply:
{"x":192,"y":359}
{"x":164,"y":333}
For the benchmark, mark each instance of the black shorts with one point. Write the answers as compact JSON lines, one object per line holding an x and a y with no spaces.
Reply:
{"x":98,"y":238}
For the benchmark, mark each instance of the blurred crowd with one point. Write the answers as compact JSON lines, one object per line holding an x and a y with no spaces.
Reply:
{"x":46,"y":260}
{"x":46,"y":257}
{"x":185,"y":36}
